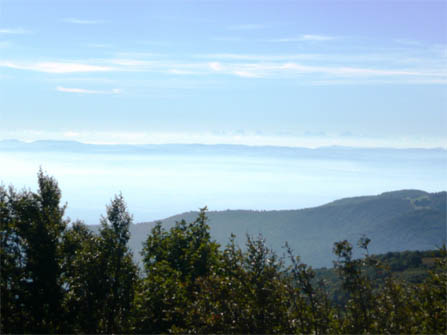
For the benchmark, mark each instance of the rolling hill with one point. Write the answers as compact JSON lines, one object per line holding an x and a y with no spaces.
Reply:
{"x":394,"y":221}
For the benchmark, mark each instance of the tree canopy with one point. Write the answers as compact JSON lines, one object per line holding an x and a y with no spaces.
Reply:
{"x":58,"y":276}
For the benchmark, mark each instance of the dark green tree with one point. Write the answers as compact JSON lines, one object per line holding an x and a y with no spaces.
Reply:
{"x":58,"y":277}
{"x":354,"y":272}
{"x":247,"y":293}
{"x":311,"y":310}
{"x":32,"y":232}
{"x":174,"y":262}
{"x":84,"y":278}
{"x":120,"y":274}
{"x":12,"y":312}
{"x":432,"y":298}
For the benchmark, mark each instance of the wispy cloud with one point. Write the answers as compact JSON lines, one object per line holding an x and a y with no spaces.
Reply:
{"x":15,"y":31}
{"x":87,"y":91}
{"x":56,"y":67}
{"x":181,"y":72}
{"x":396,"y":56}
{"x":346,"y":71}
{"x":246,"y":74}
{"x":246,"y":27}
{"x":317,"y":38}
{"x":215,"y":66}
{"x":81,"y":21}
{"x":260,"y":57}
{"x":304,"y":38}
{"x":319,"y":68}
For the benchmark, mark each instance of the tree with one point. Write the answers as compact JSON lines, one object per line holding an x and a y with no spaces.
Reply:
{"x":32,"y":230}
{"x":120,"y":273}
{"x":246,"y":293}
{"x":360,"y":314}
{"x":84,"y":280}
{"x":57,"y":277}
{"x":312,"y":312}
{"x":12,"y":315}
{"x":432,"y":298}
{"x":174,"y":263}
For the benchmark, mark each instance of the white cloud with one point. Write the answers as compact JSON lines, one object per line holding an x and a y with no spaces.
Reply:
{"x":14,"y":31}
{"x":314,"y":73}
{"x":304,"y":38}
{"x":215,"y":66}
{"x":263,"y":58}
{"x":345,"y":71}
{"x":181,"y":72}
{"x":394,"y":57}
{"x":86,"y":91}
{"x":243,"y":67}
{"x":56,"y":67}
{"x":309,"y":68}
{"x":317,"y":38}
{"x":247,"y":74}
{"x":81,"y":21}
{"x":71,"y":134}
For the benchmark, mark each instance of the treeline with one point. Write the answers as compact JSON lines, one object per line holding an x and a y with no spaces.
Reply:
{"x":59,"y":277}
{"x":407,"y":266}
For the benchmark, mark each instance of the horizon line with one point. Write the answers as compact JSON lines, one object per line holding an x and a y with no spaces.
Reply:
{"x":251,"y":145}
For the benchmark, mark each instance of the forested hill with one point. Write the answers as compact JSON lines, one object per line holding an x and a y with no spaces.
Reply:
{"x":394,"y":221}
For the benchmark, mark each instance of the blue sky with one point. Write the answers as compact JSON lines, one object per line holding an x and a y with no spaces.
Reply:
{"x":298,"y":73}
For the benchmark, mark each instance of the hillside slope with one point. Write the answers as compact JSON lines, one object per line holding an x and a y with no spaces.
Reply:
{"x":395,"y":221}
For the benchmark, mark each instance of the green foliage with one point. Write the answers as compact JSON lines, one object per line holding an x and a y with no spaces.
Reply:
{"x":32,"y":229}
{"x":58,"y":277}
{"x":85,"y":281}
{"x":311,"y":305}
{"x":384,"y":304}
{"x":59,"y":280}
{"x":11,"y":265}
{"x":407,"y":266}
{"x":119,"y":275}
{"x":186,"y":248}
{"x":357,"y":282}
{"x":394,"y":221}
{"x":174,"y":260}
{"x":246,"y":293}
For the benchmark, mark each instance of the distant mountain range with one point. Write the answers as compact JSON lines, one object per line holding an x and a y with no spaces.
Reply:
{"x":394,"y":221}
{"x":327,"y":152}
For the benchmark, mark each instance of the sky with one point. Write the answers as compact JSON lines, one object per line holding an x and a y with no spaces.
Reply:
{"x":292,"y":73}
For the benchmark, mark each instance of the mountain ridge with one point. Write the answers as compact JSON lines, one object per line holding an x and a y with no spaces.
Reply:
{"x":394,"y":221}
{"x":52,"y":144}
